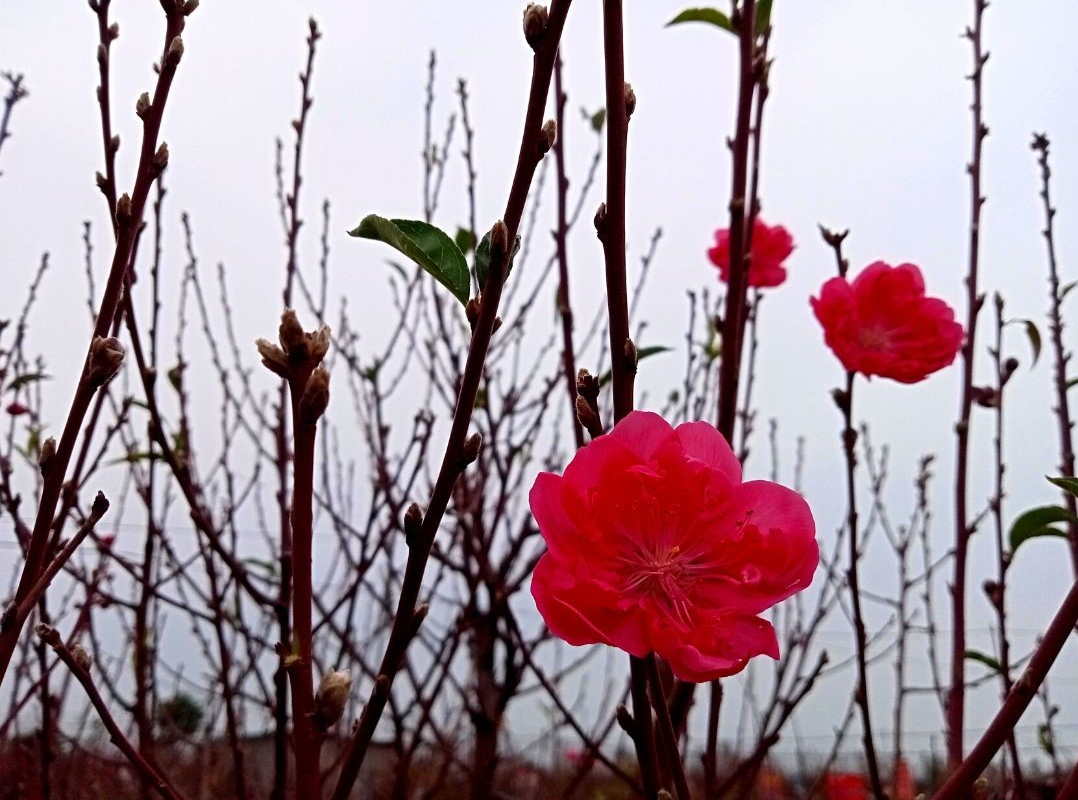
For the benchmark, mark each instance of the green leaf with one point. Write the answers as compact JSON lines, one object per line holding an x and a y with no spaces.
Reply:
{"x":1045,"y":739}
{"x":641,"y":354}
{"x":426,"y":245}
{"x":465,"y":240}
{"x":712,"y":16}
{"x":1034,"y":337}
{"x":1071,"y":382}
{"x":1064,"y":290}
{"x":981,"y":658}
{"x":763,"y":16}
{"x":27,"y":378}
{"x":1038,"y":522}
{"x":482,"y":258}
{"x":596,"y":119}
{"x":1068,"y":485}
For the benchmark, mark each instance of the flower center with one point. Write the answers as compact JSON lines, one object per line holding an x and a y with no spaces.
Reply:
{"x":873,"y":337}
{"x":666,"y":577}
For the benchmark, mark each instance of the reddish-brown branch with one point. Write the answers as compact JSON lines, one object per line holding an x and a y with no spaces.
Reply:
{"x":148,"y":170}
{"x":956,"y":697}
{"x":1059,"y":351}
{"x":51,"y":637}
{"x":408,"y":615}
{"x":565,"y":308}
{"x":1025,"y":689}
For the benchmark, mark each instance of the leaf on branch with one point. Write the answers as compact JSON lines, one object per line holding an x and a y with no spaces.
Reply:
{"x":596,"y":119}
{"x":1034,"y":336}
{"x":465,"y":240}
{"x":426,"y":245}
{"x":712,"y":16}
{"x":1067,"y":484}
{"x":482,"y":258}
{"x":28,"y":378}
{"x":1065,"y":289}
{"x":982,"y":658}
{"x":1038,"y":522}
{"x":763,"y":15}
{"x":641,"y":354}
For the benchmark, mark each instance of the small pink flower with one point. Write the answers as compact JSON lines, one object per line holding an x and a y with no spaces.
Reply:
{"x":654,"y":544}
{"x":881,"y":323}
{"x":771,"y":246}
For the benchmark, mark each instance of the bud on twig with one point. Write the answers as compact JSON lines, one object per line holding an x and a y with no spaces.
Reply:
{"x":625,"y":720}
{"x":175,"y":52}
{"x":588,"y":417}
{"x":124,"y":213}
{"x":45,"y":457}
{"x":630,"y":356}
{"x":114,"y":31}
{"x":536,"y":17}
{"x":331,"y":698}
{"x":548,"y":136}
{"x":315,"y":398}
{"x":142,"y":107}
{"x":189,"y":7}
{"x":630,"y":99}
{"x":587,"y":385}
{"x":600,"y":220}
{"x":160,"y":158}
{"x":470,"y":451}
{"x":106,"y":358}
{"x":81,"y":657}
{"x":413,"y":522}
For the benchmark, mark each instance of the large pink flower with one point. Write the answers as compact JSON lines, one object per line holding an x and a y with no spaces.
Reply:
{"x":771,"y":246}
{"x":654,"y":544}
{"x":882,"y":323}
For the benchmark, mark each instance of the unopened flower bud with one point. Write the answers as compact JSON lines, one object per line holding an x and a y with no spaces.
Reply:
{"x":312,"y":404}
{"x":45,"y":457}
{"x":189,"y":7}
{"x":114,"y":31}
{"x":175,"y":51}
{"x":102,"y":54}
{"x":81,"y":657}
{"x":630,"y":100}
{"x":630,"y":356}
{"x":587,"y":417}
{"x":470,"y":451}
{"x":160,"y":158}
{"x":536,"y":18}
{"x":413,"y":521}
{"x":548,"y":136}
{"x":142,"y":107}
{"x":273,"y":357}
{"x":499,"y":243}
{"x":102,"y":182}
{"x":114,"y":143}
{"x":600,"y":219}
{"x":587,"y":385}
{"x":331,"y":698}
{"x":471,"y":310}
{"x":625,"y":719}
{"x":106,"y":358}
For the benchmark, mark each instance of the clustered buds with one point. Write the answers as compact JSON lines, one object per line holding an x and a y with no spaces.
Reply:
{"x":106,"y":358}
{"x":298,"y":360}
{"x":536,"y":18}
{"x":331,"y":698}
{"x":587,"y":403}
{"x":315,"y":398}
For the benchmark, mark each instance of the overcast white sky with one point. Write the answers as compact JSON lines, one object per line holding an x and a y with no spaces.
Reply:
{"x":867,"y":128}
